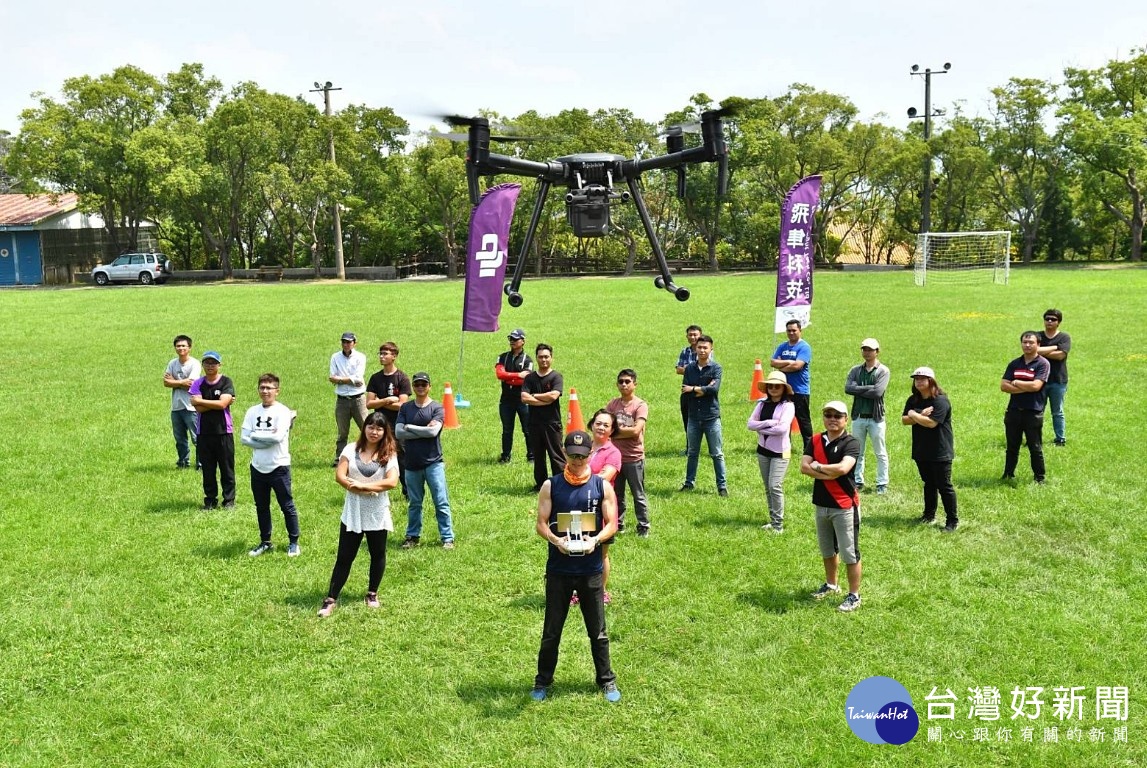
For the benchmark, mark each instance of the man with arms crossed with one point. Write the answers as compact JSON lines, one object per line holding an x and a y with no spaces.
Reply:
{"x":1054,"y":346}
{"x":386,"y":391}
{"x":542,"y":392}
{"x":866,"y":383}
{"x":1024,"y":380}
{"x":181,"y":373}
{"x":829,"y":460}
{"x":630,"y":413}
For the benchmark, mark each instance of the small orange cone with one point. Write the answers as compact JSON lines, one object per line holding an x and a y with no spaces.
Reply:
{"x":574,"y":421}
{"x":758,"y":379}
{"x":448,"y":406}
{"x":794,"y":427}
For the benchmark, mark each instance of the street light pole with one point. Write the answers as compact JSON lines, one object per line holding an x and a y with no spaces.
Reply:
{"x":926,"y":198}
{"x":340,"y":265}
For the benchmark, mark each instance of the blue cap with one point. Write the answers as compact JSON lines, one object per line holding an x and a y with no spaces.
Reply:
{"x":212,"y":355}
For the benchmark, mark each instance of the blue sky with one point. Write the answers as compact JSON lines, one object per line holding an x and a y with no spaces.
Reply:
{"x":514,"y":55}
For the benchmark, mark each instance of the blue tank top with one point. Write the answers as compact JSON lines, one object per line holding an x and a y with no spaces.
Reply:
{"x":575,"y":498}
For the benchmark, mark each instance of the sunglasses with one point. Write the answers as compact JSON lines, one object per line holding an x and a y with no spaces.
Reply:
{"x":421,"y":384}
{"x":1051,"y":319}
{"x":625,"y":381}
{"x":833,"y":415}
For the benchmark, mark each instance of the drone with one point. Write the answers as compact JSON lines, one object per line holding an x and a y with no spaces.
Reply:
{"x":591,"y":180}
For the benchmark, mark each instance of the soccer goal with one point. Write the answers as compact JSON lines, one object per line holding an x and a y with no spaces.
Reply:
{"x":963,"y":257}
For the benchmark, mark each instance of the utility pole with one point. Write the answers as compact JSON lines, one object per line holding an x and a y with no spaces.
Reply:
{"x":340,"y":265}
{"x":926,"y":197}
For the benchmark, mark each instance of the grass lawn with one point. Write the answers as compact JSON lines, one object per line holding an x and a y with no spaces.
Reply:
{"x":138,"y":632}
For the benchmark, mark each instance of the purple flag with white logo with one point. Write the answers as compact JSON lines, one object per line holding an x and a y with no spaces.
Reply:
{"x":486,"y":257}
{"x":794,"y":267}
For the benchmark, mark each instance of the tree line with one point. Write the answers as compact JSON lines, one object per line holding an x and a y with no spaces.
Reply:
{"x":243,"y":177}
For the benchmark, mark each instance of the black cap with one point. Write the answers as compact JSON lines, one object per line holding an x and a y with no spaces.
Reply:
{"x":348,"y":336}
{"x":421,"y":376}
{"x":516,"y":334}
{"x":577,"y":443}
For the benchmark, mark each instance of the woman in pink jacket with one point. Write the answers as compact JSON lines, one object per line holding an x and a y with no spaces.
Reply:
{"x":772,"y":420}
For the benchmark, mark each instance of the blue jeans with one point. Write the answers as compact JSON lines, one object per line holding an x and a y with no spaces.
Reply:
{"x":867,"y":428}
{"x":183,"y":428}
{"x":711,"y":428}
{"x":1055,"y":395}
{"x":435,"y":478}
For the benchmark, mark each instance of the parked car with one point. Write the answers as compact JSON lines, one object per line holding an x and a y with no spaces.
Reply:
{"x":146,"y":268}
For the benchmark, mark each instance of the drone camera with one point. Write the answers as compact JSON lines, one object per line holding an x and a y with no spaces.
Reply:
{"x":589,"y":218}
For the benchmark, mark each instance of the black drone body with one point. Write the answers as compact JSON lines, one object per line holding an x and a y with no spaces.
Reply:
{"x":594,"y":182}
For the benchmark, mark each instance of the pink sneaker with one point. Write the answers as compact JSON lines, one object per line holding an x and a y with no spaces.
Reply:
{"x":574,"y":600}
{"x":372,"y":600}
{"x":605,"y":598}
{"x":328,"y":607}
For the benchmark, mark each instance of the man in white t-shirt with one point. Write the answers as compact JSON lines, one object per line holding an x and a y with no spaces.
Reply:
{"x":267,"y":429}
{"x":181,"y":373}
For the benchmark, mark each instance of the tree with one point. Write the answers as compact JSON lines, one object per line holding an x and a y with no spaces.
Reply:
{"x":97,"y":142}
{"x":1105,"y":126}
{"x":1025,"y":158}
{"x":7,"y":182}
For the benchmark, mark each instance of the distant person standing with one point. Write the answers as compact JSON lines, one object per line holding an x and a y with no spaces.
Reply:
{"x":181,"y":373}
{"x":866,"y":383}
{"x":631,"y":413}
{"x":420,"y":426}
{"x":933,"y":448}
{"x":510,"y":369}
{"x":386,"y":391}
{"x":687,"y":357}
{"x":1054,"y":346}
{"x":1024,"y":380}
{"x":542,"y":392}
{"x":211,"y":396}
{"x":829,"y":460}
{"x":348,"y":374}
{"x":793,"y":358}
{"x":702,"y":383}
{"x":772,"y":420}
{"x":267,"y":430}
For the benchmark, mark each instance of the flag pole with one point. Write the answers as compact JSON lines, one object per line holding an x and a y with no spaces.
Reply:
{"x":459,"y":400}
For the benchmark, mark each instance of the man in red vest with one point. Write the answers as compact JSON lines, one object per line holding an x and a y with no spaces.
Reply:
{"x":829,"y":460}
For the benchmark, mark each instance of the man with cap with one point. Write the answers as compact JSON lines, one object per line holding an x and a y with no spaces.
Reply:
{"x":348,"y":374}
{"x":577,"y":510}
{"x":866,"y":383}
{"x":211,"y":397}
{"x":829,"y":459}
{"x":419,"y":428}
{"x":510,"y":369}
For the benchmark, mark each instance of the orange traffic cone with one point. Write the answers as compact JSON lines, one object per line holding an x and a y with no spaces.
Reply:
{"x":448,"y":406}
{"x":758,"y":379}
{"x":794,"y":427}
{"x":574,"y":421}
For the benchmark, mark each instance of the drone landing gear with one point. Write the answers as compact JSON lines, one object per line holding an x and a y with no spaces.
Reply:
{"x":663,"y":280}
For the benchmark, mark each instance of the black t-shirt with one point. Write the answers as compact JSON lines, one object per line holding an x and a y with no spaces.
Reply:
{"x":932,"y":443}
{"x":845,"y":445}
{"x":214,"y":422}
{"x":388,"y":385}
{"x":1062,"y":342}
{"x":537,"y":384}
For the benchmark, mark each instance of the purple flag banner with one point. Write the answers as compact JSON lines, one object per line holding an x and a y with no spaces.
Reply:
{"x":486,"y":257}
{"x":794,"y":267}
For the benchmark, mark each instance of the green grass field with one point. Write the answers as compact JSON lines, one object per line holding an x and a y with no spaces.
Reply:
{"x":137,"y":631}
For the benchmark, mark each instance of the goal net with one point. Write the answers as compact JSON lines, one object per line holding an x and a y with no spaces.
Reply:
{"x":971,"y":257}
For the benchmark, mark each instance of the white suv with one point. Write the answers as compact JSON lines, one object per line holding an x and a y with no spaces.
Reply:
{"x":146,"y":268}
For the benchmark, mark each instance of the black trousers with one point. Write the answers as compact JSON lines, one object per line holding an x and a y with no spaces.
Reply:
{"x":546,"y":441}
{"x":591,"y":595}
{"x":685,"y":398}
{"x":217,"y":452}
{"x":349,"y":545}
{"x":803,"y":416}
{"x":937,"y":477}
{"x":279,"y":481}
{"x":509,"y":412}
{"x":1020,"y":425}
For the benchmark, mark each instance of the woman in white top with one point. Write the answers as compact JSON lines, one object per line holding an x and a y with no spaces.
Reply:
{"x":367,"y":469}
